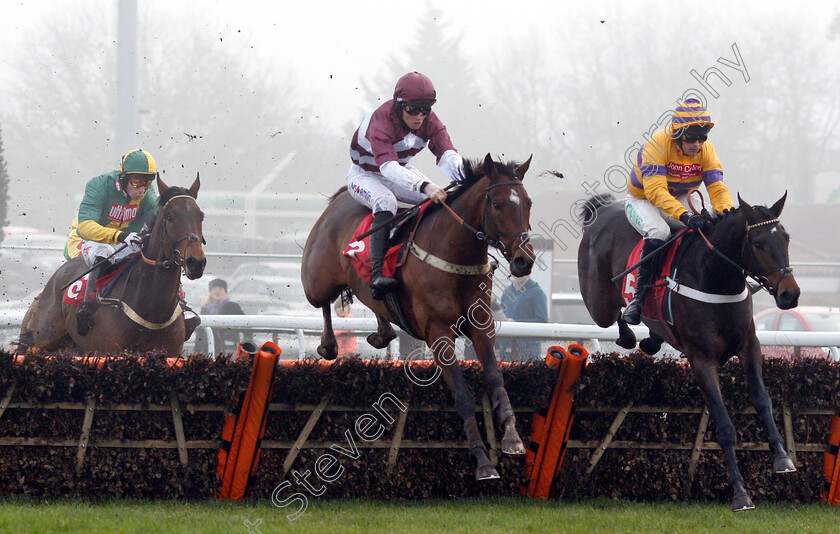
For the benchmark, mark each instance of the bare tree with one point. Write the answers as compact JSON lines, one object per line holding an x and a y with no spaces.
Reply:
{"x":203,"y":107}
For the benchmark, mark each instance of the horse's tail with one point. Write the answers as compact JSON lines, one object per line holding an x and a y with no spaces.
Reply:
{"x":590,"y":207}
{"x":335,"y":195}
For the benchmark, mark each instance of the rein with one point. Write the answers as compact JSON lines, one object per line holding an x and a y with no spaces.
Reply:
{"x":760,"y":278}
{"x":484,"y":237}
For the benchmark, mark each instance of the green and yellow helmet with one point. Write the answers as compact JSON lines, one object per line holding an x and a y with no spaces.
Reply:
{"x":138,"y":162}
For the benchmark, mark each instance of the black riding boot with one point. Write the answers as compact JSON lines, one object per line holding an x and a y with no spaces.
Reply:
{"x":380,"y":284}
{"x":647,"y":274}
{"x":85,"y":313}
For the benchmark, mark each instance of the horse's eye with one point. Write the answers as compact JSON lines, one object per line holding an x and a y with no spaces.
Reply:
{"x":759,"y":245}
{"x":497,"y":205}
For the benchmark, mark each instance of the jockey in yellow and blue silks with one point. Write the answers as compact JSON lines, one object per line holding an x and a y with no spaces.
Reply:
{"x":114,"y":209}
{"x":674,"y":162}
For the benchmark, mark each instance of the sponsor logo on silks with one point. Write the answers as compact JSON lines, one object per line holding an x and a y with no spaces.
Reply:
{"x":122,"y":214}
{"x":633,"y":214}
{"x":684,"y":172}
{"x":354,"y":248}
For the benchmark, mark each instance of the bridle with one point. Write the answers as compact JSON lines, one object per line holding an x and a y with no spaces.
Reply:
{"x":486,"y":237}
{"x":177,"y":258}
{"x":760,"y":277}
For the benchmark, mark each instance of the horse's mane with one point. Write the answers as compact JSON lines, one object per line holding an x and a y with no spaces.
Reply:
{"x":587,"y":211}
{"x":335,"y":195}
{"x":473,"y":171}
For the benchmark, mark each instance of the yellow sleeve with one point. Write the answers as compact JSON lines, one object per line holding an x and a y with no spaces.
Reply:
{"x":719,"y":196}
{"x":91,"y":230}
{"x":656,"y":191}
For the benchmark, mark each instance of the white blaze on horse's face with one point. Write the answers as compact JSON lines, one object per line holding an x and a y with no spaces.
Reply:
{"x":774,"y":230}
{"x":514,"y":196}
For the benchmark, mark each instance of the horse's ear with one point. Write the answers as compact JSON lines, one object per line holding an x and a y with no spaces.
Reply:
{"x":489,"y":168}
{"x":747,"y":210}
{"x":776,"y":209}
{"x":162,"y":187}
{"x":522,"y":169}
{"x":194,"y":187}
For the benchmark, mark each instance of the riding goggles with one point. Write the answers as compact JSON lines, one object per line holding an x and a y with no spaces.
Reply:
{"x":695,"y":138}
{"x":139,"y":184}
{"x":416,"y":108}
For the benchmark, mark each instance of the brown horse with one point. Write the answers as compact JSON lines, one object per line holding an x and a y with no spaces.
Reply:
{"x":142,"y":311}
{"x":748,"y":241}
{"x":450,"y":295}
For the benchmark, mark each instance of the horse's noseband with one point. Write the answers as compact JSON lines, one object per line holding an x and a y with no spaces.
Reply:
{"x":761,"y":278}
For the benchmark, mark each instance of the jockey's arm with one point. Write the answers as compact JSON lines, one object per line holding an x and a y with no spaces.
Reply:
{"x":656,"y":191}
{"x":451,"y":164}
{"x":91,"y":230}
{"x":719,"y":194}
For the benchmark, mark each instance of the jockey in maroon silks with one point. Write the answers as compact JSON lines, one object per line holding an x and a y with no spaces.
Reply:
{"x":380,"y":174}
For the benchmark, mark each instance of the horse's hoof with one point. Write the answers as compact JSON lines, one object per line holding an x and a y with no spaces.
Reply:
{"x":513,"y":448}
{"x":326,"y":353}
{"x":783,"y":465}
{"x":741,"y":503}
{"x":626,"y":343}
{"x":377,"y":341}
{"x":488,"y":472}
{"x":650,"y":346}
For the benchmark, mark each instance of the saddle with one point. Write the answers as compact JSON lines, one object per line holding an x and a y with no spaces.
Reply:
{"x":657,"y":303}
{"x":402,"y":233}
{"x":74,"y":295}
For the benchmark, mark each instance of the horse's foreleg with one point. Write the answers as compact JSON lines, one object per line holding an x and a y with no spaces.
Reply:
{"x":384,"y":333}
{"x":444,"y":350}
{"x":652,"y":344}
{"x":626,"y":337}
{"x":505,"y":418}
{"x":328,"y":349}
{"x":706,"y":374}
{"x":751,"y":360}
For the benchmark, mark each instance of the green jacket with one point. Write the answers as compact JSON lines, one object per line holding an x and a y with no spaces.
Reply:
{"x":106,"y":211}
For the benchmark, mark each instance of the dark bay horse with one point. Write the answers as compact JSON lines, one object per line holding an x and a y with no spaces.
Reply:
{"x":438,"y":300}
{"x":141,"y":312}
{"x":709,"y":333}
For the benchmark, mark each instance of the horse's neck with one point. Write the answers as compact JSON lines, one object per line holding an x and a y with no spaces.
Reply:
{"x":155,"y":288}
{"x":717,"y":274}
{"x":461,"y":243}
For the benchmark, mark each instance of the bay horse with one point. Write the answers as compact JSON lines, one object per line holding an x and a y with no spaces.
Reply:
{"x":142,"y":310}
{"x":450,"y":295}
{"x":749,"y":241}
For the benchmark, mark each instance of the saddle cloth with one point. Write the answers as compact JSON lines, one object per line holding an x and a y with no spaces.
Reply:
{"x":653,"y":306}
{"x":75,"y":293}
{"x":359,"y":250}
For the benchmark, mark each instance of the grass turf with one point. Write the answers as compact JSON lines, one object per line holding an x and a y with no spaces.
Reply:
{"x":452,"y":517}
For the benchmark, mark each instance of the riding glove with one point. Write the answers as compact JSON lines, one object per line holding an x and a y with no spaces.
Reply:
{"x":133,"y":240}
{"x":692,"y":220}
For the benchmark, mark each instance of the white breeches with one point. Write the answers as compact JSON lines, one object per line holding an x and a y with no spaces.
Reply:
{"x":92,"y":250}
{"x":649,"y":220}
{"x":377,"y":192}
